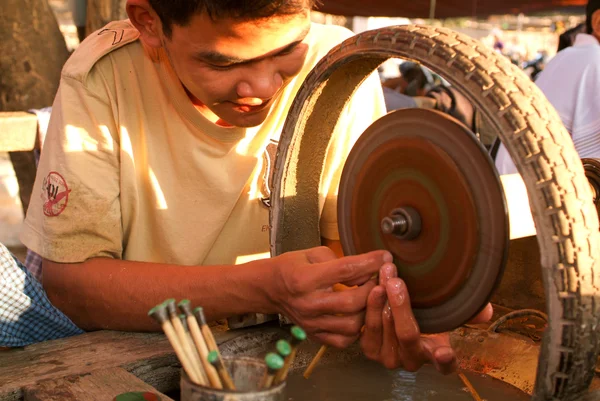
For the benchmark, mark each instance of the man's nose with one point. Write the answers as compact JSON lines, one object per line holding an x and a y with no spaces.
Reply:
{"x":260,"y":84}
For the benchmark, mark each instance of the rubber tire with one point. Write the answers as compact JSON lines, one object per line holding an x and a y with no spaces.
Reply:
{"x":529,"y":127}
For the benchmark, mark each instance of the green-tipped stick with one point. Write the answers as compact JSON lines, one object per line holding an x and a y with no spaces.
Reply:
{"x":194,"y":351}
{"x":215,"y":360}
{"x":274,"y":364}
{"x":211,"y":372}
{"x":159,"y":313}
{"x":185,"y":340}
{"x":284,"y":349}
{"x":298,"y":336}
{"x":211,"y":343}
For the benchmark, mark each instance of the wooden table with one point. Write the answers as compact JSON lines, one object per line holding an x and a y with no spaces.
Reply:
{"x":94,"y":366}
{"x":19,"y":137}
{"x":18,"y":131}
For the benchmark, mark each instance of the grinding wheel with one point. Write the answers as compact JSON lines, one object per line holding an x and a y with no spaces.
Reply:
{"x":419,"y":184}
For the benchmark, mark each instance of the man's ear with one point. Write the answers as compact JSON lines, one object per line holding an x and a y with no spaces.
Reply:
{"x":144,"y":18}
{"x":596,"y":24}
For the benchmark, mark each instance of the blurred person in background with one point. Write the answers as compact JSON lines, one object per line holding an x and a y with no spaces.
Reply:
{"x":571,"y":82}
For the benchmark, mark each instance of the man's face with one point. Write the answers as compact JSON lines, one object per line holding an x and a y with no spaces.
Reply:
{"x":235,"y":70}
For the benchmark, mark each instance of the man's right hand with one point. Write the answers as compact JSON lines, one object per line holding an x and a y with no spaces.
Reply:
{"x":304,"y":293}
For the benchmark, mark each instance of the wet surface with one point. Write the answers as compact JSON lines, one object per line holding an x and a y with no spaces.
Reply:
{"x":371,"y":382}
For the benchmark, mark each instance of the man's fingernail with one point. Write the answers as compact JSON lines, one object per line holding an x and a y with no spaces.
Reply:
{"x":388,"y":270}
{"x":387,"y":257}
{"x":395,"y":286}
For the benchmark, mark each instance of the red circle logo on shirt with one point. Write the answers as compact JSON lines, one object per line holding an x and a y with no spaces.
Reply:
{"x":55,"y":194}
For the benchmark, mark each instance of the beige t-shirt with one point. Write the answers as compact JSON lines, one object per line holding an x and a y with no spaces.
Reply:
{"x":130,"y":169}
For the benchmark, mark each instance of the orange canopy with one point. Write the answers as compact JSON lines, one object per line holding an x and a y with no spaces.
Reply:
{"x":445,"y":8}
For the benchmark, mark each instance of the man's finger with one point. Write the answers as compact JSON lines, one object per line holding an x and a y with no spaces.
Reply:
{"x":334,"y":340}
{"x":438,"y":351}
{"x":345,"y":302}
{"x":388,"y":355}
{"x":347,"y":325}
{"x":405,"y":325}
{"x":372,"y":337}
{"x":344,"y":270}
{"x":387,"y":271}
{"x":320,"y":254}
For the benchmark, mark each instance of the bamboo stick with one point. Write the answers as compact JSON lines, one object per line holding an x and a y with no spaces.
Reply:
{"x":470,"y":387}
{"x":213,"y":358}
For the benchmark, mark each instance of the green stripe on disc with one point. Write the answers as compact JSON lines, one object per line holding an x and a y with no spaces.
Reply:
{"x":433,"y":261}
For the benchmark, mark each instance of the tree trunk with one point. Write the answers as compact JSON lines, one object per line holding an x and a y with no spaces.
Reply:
{"x":33,"y":53}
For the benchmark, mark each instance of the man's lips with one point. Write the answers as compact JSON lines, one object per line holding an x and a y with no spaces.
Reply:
{"x":248,"y":108}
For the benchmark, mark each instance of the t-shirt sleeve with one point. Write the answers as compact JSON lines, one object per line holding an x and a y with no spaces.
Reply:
{"x":585,"y":120}
{"x":74,"y":212}
{"x":366,"y":105}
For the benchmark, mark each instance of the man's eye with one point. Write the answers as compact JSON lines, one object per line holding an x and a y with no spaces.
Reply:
{"x":221,"y":67}
{"x":287,"y":51}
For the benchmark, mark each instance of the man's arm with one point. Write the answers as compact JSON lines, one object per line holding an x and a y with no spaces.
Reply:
{"x":104,"y":293}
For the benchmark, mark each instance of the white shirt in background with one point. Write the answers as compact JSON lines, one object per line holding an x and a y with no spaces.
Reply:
{"x":571,"y":82}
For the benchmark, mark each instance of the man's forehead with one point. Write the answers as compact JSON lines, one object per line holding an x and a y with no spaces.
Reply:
{"x":202,"y":29}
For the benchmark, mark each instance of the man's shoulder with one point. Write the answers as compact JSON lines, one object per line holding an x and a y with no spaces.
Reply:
{"x":113,"y":36}
{"x":569,"y":65}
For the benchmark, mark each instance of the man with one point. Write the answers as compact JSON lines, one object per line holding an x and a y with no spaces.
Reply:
{"x":571,"y":82}
{"x":151,"y":174}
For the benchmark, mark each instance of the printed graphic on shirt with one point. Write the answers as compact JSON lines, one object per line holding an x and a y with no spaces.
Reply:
{"x":267,"y":172}
{"x":55,"y":194}
{"x":117,"y":35}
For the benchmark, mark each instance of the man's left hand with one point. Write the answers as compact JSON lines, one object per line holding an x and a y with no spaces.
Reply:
{"x":392,"y":336}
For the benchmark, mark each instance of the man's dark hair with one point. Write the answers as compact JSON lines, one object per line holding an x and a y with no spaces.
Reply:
{"x":592,"y":7}
{"x":180,"y":12}
{"x":567,"y":38}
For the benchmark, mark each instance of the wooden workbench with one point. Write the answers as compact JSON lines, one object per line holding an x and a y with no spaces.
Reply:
{"x":18,"y":131}
{"x":96,"y":366}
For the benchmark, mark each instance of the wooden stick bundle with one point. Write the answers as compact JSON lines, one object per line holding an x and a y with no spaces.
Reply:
{"x":159,"y":313}
{"x":186,"y":342}
{"x":200,"y":342}
{"x":192,"y":340}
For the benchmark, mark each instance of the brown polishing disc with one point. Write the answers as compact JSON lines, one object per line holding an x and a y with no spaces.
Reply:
{"x":419,"y":184}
